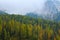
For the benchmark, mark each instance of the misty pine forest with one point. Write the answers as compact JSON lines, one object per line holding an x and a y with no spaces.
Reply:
{"x":42,"y":25}
{"x":18,"y":27}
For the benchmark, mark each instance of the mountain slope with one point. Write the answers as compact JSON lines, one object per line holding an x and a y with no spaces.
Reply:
{"x":2,"y":12}
{"x":34,"y":15}
{"x":49,"y":12}
{"x":31,"y":14}
{"x":18,"y":27}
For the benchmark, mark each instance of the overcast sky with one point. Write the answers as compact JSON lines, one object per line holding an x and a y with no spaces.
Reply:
{"x":21,"y":6}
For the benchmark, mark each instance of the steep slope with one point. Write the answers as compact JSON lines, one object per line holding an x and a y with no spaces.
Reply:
{"x":50,"y":11}
{"x":57,"y":3}
{"x":34,"y":15}
{"x":31,"y":14}
{"x":18,"y":27}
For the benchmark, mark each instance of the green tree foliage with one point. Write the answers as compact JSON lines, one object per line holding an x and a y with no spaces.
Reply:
{"x":18,"y":27}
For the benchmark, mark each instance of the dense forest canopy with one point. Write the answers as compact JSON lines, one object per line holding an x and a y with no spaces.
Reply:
{"x":19,"y":27}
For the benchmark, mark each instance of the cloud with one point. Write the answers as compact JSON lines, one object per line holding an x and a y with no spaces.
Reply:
{"x":21,"y":6}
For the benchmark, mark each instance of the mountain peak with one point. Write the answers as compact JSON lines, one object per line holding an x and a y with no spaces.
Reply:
{"x":50,"y":10}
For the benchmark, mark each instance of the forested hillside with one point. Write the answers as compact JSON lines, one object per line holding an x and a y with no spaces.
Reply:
{"x":18,"y":27}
